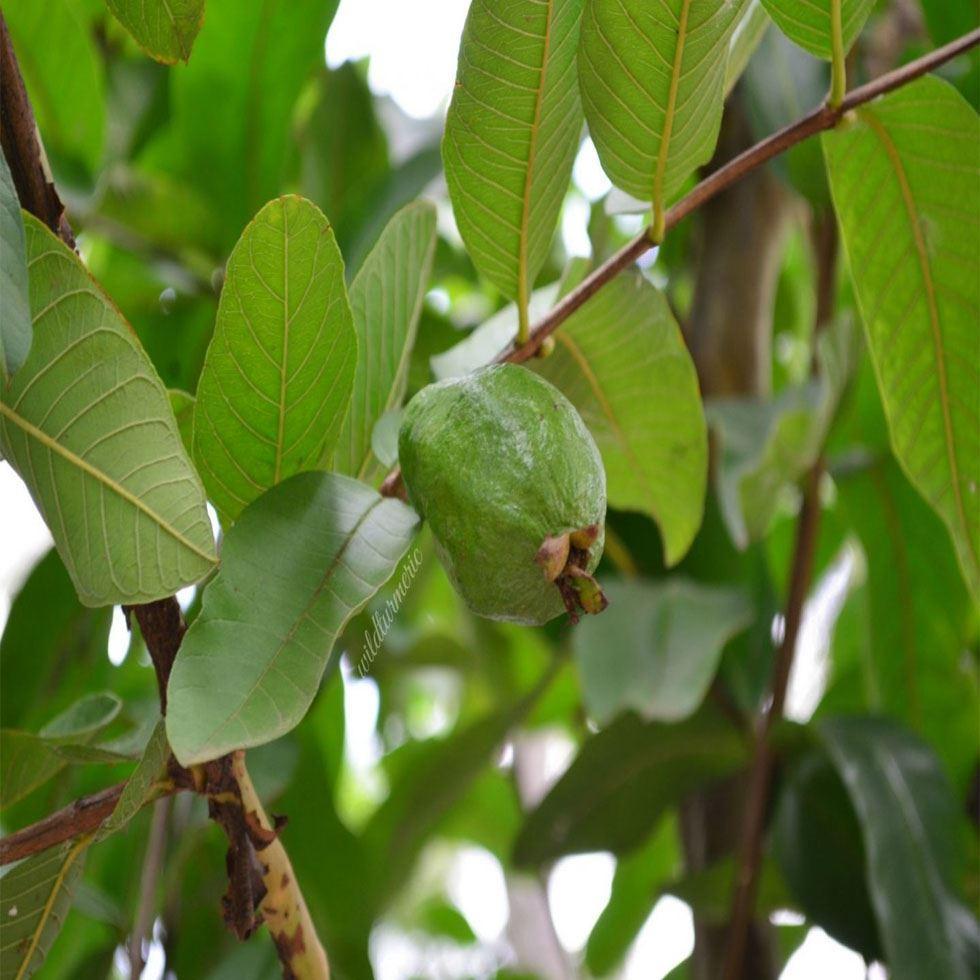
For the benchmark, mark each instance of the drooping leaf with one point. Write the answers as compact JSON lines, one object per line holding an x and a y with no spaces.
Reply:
{"x":816,"y":839}
{"x":35,"y":897}
{"x":279,"y":371}
{"x":620,"y":359}
{"x":908,"y":818}
{"x":64,"y":78}
{"x":15,"y":325}
{"x":905,"y":179}
{"x":622,"y":781}
{"x":28,"y":760}
{"x":810,"y":23}
{"x":652,"y":79}
{"x":656,"y":648}
{"x":233,"y":103}
{"x":140,"y":785}
{"x":386,"y":300}
{"x":907,"y":661}
{"x":87,"y":424}
{"x":295,"y":567}
{"x":636,"y":887}
{"x":164,"y":29}
{"x":511,"y":134}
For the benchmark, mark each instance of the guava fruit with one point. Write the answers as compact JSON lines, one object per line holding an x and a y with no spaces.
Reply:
{"x":502,"y":467}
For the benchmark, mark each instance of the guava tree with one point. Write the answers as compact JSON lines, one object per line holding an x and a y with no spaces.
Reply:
{"x":626,"y":487}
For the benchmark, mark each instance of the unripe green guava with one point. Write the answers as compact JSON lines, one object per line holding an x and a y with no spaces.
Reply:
{"x":502,"y":467}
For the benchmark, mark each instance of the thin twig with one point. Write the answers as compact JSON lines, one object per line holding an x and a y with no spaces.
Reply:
{"x":817,"y":121}
{"x":152,"y":863}
{"x":801,"y":571}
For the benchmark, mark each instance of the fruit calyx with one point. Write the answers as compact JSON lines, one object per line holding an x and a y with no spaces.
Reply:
{"x":563,"y":559}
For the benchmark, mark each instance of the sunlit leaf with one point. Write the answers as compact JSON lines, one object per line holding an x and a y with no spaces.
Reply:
{"x":905,"y":178}
{"x":908,"y":818}
{"x":164,"y":29}
{"x":652,"y":79}
{"x":623,"y":364}
{"x":656,"y":648}
{"x":386,"y":300}
{"x":279,"y":371}
{"x":511,"y":134}
{"x":87,"y":424}
{"x":15,"y":325}
{"x":744,"y":42}
{"x":810,"y":23}
{"x":623,"y":780}
{"x":35,"y":897}
{"x":294,"y":568}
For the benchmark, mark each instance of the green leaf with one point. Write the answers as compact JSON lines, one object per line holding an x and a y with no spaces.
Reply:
{"x":386,"y":299}
{"x":141,"y":784}
{"x":182,"y":405}
{"x":279,"y":371}
{"x":918,"y":619}
{"x":652,"y":79}
{"x":512,"y":131}
{"x":164,"y":29}
{"x":623,"y":364}
{"x":35,"y":897}
{"x":906,"y":187}
{"x":745,"y":39}
{"x":623,"y":780}
{"x":384,"y":438}
{"x":64,"y":78}
{"x":636,"y":887}
{"x":766,"y":446}
{"x":15,"y":326}
{"x":296,"y":566}
{"x":656,"y":648}
{"x":52,"y":647}
{"x":809,"y":24}
{"x":87,"y":424}
{"x":27,"y":761}
{"x":816,"y":840}
{"x":908,"y":818}
{"x":233,"y":103}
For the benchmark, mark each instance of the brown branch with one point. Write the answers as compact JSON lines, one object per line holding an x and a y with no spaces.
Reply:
{"x":817,"y":121}
{"x":152,"y":863}
{"x":22,"y":148}
{"x":801,"y":571}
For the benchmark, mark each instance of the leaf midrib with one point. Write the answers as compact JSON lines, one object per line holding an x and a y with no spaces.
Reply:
{"x":925,"y":270}
{"x":74,"y":459}
{"x":675,"y":79}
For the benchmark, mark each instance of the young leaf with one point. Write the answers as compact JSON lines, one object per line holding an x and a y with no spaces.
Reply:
{"x":746,"y":38}
{"x":511,"y":134}
{"x":35,"y":897}
{"x":657,"y":647}
{"x":140,"y":785}
{"x":164,"y":29}
{"x":623,"y":780}
{"x":908,"y":817}
{"x":621,"y":361}
{"x":182,"y":405}
{"x":386,"y":299}
{"x":652,"y":77}
{"x":28,"y":761}
{"x":278,"y":373}
{"x":906,"y":187}
{"x":87,"y":424}
{"x":299,"y":562}
{"x":15,"y":325}
{"x":810,"y":24}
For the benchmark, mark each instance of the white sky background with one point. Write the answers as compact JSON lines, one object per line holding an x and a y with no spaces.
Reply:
{"x":412,"y":48}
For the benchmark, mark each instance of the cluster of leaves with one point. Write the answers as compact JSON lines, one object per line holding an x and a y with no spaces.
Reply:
{"x":253,"y":356}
